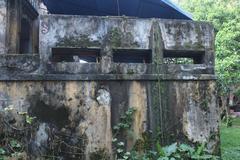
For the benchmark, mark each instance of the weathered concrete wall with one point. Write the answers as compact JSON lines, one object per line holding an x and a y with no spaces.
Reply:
{"x":123,"y":33}
{"x":77,"y":104}
{"x":187,"y":36}
{"x":184,"y":111}
{"x":190,"y":112}
{"x":79,"y":109}
{"x":109,"y":33}
{"x":3,"y":25}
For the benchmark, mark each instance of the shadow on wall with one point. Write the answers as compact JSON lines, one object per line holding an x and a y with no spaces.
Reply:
{"x":50,"y":114}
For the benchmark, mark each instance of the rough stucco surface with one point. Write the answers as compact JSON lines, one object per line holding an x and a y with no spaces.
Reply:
{"x":190,"y":111}
{"x":138,"y":100}
{"x":78,"y":104}
{"x":199,"y":113}
{"x":94,"y":32}
{"x":194,"y":36}
{"x":111,"y":33}
{"x":107,"y":34}
{"x":3,"y":24}
{"x":87,"y":106}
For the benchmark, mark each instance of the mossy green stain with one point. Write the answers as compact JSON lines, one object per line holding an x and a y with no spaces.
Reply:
{"x":115,"y":37}
{"x":80,"y":41}
{"x":118,"y":38}
{"x":204,"y":105}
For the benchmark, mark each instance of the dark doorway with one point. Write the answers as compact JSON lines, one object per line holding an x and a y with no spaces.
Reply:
{"x":25,"y":36}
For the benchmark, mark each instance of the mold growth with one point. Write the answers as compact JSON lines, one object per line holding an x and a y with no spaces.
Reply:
{"x":118,"y":38}
{"x":50,"y":114}
{"x":115,"y":37}
{"x":80,"y":41}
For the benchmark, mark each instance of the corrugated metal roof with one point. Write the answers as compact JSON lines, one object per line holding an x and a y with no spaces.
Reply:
{"x":136,"y":8}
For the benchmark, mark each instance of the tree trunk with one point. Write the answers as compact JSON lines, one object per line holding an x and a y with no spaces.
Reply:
{"x":225,"y":111}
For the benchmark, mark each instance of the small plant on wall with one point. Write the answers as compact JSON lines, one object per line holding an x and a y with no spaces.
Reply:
{"x":13,"y":138}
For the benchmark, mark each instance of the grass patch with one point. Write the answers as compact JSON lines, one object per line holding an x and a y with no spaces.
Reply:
{"x":236,"y":122}
{"x":230,"y":141}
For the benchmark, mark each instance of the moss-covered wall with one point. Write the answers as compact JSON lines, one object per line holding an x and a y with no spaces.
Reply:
{"x":76,"y":105}
{"x":108,"y":33}
{"x":181,"y":111}
{"x":81,"y":110}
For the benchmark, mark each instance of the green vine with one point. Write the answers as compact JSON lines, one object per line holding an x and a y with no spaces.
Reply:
{"x":13,"y":139}
{"x":124,"y":125}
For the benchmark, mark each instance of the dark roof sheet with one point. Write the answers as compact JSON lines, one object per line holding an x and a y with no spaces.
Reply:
{"x":136,"y":8}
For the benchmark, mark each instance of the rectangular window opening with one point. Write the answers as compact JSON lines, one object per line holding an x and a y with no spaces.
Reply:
{"x":80,"y":55}
{"x":183,"y":57}
{"x":132,"y":56}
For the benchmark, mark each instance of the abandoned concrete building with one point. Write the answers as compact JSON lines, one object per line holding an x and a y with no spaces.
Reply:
{"x":76,"y":75}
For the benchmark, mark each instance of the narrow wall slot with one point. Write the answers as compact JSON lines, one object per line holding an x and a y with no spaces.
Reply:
{"x":183,"y":57}
{"x":81,"y":55}
{"x":132,"y":56}
{"x":25,"y":36}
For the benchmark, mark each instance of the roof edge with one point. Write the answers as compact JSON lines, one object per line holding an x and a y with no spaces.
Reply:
{"x":178,"y":9}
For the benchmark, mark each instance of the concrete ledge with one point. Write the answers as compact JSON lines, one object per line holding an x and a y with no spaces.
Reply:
{"x":110,"y":77}
{"x":23,"y":63}
{"x":188,"y":68}
{"x":74,"y":68}
{"x":128,"y":68}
